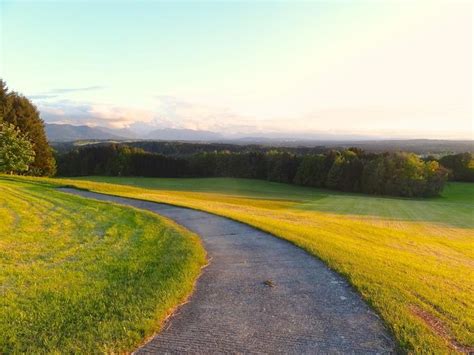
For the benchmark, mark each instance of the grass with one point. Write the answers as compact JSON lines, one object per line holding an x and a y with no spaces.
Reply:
{"x":82,"y":276}
{"x":412,"y":260}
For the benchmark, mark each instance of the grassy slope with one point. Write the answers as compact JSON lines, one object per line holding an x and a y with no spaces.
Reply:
{"x":413,"y":260}
{"x":79,"y":275}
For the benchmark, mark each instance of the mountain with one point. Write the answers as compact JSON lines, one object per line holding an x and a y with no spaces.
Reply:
{"x":171,"y":134}
{"x":60,"y":133}
{"x":68,"y":133}
{"x":122,"y":132}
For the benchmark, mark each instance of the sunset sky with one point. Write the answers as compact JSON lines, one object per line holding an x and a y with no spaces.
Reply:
{"x":369,"y":68}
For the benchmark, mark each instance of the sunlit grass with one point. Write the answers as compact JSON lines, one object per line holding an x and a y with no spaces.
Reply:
{"x":406,"y":257}
{"x":82,"y":276}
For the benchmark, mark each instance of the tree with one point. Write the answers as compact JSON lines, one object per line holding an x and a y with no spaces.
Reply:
{"x":334,"y":177}
{"x":346,"y":171}
{"x":403,"y":174}
{"x":19,"y":111}
{"x":352,"y":172}
{"x":16,"y":151}
{"x":461,"y":166}
{"x":373,"y":176}
{"x":4,"y":102}
{"x":311,"y":171}
{"x":281,"y":166}
{"x":436,"y":177}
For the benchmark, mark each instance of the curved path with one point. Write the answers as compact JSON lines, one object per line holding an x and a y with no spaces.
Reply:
{"x":306,"y":308}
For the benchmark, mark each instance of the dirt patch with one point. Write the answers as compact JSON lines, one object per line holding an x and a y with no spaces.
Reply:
{"x":440,"y":329}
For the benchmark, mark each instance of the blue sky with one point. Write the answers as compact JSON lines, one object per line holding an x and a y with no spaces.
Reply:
{"x":361,"y":67}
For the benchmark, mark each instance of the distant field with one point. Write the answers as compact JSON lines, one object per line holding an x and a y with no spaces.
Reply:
{"x":81,"y":276}
{"x":412,"y":260}
{"x":459,"y":196}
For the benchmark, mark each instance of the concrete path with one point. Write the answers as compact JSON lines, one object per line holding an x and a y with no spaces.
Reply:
{"x":306,"y":308}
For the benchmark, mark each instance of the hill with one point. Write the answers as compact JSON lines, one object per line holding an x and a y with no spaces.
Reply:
{"x":70,"y":269}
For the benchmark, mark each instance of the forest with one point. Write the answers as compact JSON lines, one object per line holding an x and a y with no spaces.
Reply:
{"x":350,"y":170}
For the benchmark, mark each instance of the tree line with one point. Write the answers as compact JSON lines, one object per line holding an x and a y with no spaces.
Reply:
{"x":183,"y":149}
{"x":351,"y":170}
{"x":119,"y":160}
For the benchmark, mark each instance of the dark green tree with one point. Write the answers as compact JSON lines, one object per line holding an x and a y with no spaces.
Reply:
{"x":281,"y":166}
{"x":311,"y":171}
{"x":19,"y":111}
{"x":373,"y":176}
{"x":461,"y":166}
{"x":334,"y":177}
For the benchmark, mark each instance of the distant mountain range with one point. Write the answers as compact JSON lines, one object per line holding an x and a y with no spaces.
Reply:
{"x":61,"y":133}
{"x":69,"y":133}
{"x":172,"y":134}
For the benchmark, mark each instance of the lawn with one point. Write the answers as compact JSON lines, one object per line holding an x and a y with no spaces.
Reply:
{"x":412,"y":260}
{"x":82,"y":276}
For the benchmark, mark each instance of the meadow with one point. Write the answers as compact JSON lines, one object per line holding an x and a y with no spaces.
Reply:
{"x":82,"y":276}
{"x":412,"y":260}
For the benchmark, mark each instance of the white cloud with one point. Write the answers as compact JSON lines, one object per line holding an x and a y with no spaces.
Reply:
{"x":92,"y":114}
{"x":173,"y":112}
{"x":177,"y":113}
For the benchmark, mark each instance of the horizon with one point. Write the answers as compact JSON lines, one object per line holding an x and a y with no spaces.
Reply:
{"x":256,"y":138}
{"x":381,"y":70}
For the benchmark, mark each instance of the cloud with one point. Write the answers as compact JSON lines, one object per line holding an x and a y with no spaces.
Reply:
{"x":51,"y":94}
{"x":69,"y":90}
{"x":173,"y":112}
{"x":165,"y":112}
{"x":79,"y":113}
{"x":41,"y":96}
{"x":178,"y":113}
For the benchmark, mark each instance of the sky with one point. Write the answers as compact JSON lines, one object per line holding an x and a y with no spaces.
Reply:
{"x":388,"y":69}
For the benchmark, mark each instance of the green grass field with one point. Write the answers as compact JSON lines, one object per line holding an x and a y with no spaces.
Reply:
{"x":412,"y":260}
{"x":82,"y":276}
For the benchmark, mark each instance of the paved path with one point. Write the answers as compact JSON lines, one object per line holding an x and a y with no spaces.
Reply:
{"x":309,"y":309}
